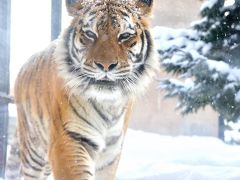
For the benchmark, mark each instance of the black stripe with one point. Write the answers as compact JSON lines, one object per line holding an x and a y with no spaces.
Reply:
{"x":122,"y":5}
{"x":83,"y":173}
{"x":79,"y":104}
{"x":66,"y":39}
{"x":82,"y":140}
{"x":132,"y":28}
{"x":143,"y":42}
{"x":80,"y":22}
{"x":131,"y":53}
{"x":140,"y":55}
{"x":29,"y":148}
{"x":82,"y":118}
{"x":81,"y":41}
{"x":93,"y":13}
{"x":147,"y":2}
{"x":103,"y":116}
{"x":124,"y":14}
{"x":94,"y":17}
{"x":149,"y":44}
{"x":27,"y":163}
{"x":26,"y":143}
{"x":29,"y":175}
{"x":112,"y":140}
{"x":74,"y":48}
{"x":88,"y":172}
{"x":140,"y":70}
{"x":36,"y":162}
{"x":81,"y":50}
{"x":88,"y":9}
{"x":108,"y":164}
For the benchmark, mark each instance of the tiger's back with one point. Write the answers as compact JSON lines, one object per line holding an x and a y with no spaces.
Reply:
{"x":34,"y":90}
{"x":74,"y":99}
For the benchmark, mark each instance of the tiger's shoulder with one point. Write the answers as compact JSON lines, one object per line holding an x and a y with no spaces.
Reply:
{"x":39,"y":73}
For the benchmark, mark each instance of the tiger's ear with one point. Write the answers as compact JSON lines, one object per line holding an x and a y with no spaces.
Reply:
{"x":145,"y":6}
{"x":73,"y":6}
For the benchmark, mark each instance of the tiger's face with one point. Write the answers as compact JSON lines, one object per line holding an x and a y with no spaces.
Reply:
{"x":109,"y":48}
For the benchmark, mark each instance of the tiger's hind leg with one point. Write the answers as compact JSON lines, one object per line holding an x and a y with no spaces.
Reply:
{"x":34,"y":174}
{"x":33,"y":161}
{"x":30,"y":166}
{"x":13,"y":162}
{"x":34,"y":164}
{"x":33,"y":144}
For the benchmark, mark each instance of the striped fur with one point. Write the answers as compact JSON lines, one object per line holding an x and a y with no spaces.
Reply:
{"x":74,"y":99}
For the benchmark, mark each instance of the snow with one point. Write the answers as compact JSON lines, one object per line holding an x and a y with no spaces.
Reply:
{"x":166,"y":38}
{"x":208,"y":4}
{"x":237,"y":97}
{"x":185,"y":85}
{"x":148,"y":156}
{"x":219,"y":66}
{"x":229,"y":3}
{"x":224,"y":68}
{"x":233,"y":131}
{"x":200,"y":21}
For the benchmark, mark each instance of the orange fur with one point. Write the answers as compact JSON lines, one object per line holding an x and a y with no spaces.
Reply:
{"x":49,"y":95}
{"x":61,"y":125}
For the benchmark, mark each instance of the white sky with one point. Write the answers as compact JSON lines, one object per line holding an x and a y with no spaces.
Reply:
{"x":30,"y":30}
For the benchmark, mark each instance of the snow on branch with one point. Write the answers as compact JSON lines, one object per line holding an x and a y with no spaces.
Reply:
{"x":208,"y":4}
{"x":205,"y":82}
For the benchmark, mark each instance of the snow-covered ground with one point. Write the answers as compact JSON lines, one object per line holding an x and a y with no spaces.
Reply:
{"x":148,"y":156}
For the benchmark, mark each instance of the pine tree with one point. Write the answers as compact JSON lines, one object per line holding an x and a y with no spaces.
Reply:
{"x":206,"y":59}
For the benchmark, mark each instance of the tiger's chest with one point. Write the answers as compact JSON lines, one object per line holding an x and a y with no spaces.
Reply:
{"x":112,"y":115}
{"x":102,"y":122}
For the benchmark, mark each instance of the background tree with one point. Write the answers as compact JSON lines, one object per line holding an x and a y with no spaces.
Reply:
{"x":206,"y":60}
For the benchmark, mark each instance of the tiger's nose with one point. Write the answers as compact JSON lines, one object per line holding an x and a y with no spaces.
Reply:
{"x":106,"y":66}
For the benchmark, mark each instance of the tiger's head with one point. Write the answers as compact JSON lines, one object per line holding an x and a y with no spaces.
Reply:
{"x":107,"y":50}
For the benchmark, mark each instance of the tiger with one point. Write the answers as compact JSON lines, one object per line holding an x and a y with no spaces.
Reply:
{"x":74,"y":99}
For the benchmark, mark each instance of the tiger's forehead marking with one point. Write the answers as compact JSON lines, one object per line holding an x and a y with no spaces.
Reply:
{"x":110,"y":14}
{"x":108,"y":7}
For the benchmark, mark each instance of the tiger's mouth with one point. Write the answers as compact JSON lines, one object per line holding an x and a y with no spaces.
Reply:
{"x":126,"y":83}
{"x":105,"y":82}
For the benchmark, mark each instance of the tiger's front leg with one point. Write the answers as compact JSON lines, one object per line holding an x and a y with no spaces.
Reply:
{"x":71,"y":160}
{"x":109,"y":172}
